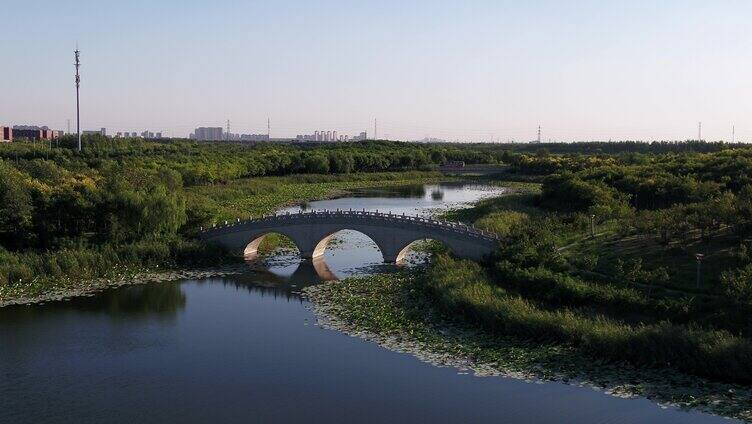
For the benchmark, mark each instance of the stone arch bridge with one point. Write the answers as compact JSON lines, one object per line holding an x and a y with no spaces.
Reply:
{"x":393,"y":234}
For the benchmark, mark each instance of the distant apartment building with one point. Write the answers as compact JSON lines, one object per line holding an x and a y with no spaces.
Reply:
{"x":254,"y":137}
{"x":101,"y":131}
{"x":326,"y":136}
{"x":32,"y":132}
{"x":207,"y":134}
{"x":360,"y":137}
{"x":6,"y":134}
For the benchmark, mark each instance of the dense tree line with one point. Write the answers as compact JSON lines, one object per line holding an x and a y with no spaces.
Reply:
{"x":125,"y":190}
{"x":212,"y":162}
{"x":674,"y":198}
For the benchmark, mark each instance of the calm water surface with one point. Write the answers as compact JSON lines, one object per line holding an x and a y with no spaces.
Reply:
{"x":245,"y":349}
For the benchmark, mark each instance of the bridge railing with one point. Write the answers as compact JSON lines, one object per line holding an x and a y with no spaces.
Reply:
{"x":427,"y":222}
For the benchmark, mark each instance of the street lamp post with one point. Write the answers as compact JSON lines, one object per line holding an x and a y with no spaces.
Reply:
{"x":699,"y":257}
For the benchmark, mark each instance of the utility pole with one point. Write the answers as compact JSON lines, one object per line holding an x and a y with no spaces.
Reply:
{"x":733,"y":133}
{"x":78,"y":109}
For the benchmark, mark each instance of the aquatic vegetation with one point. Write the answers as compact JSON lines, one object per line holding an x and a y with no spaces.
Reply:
{"x":400,"y":312}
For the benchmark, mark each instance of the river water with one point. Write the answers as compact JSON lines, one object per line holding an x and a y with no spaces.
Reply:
{"x":246,"y":349}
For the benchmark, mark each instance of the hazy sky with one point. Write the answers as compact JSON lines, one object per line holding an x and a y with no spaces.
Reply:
{"x":469,"y":70}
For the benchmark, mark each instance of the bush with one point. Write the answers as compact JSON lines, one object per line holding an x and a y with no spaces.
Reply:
{"x":737,"y":284}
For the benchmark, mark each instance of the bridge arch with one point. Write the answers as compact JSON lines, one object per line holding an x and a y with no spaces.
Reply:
{"x":251,"y":250}
{"x":321,"y":246}
{"x":410,"y":247}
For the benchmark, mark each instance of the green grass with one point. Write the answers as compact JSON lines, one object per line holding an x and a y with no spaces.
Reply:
{"x":678,"y":258}
{"x":462,"y":287}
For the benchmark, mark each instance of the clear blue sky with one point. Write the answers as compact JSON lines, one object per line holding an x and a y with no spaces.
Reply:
{"x":458,"y":70}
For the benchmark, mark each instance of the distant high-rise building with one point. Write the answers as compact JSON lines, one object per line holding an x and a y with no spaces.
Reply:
{"x":6,"y":134}
{"x":158,"y":135}
{"x":208,"y":133}
{"x":323,"y":135}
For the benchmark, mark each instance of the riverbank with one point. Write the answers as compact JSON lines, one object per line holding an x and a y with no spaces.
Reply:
{"x":397,"y":312}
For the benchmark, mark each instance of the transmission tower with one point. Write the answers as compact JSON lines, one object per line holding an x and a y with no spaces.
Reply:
{"x":699,"y":131}
{"x":268,"y":129}
{"x":78,"y":109}
{"x":227,"y":136}
{"x":539,"y":135}
{"x":375,"y":130}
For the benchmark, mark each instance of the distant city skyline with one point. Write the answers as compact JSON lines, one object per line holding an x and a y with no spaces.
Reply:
{"x":470,"y":71}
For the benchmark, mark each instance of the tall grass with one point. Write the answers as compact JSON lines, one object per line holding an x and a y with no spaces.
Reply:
{"x":462,"y":287}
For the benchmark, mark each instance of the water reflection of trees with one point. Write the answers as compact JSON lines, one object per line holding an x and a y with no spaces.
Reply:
{"x":163,"y":300}
{"x":405,"y":192}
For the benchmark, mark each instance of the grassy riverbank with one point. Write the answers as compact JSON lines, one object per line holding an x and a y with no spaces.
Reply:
{"x":543,"y":285}
{"x":401,"y":312}
{"x":543,"y":306}
{"x":33,"y":275}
